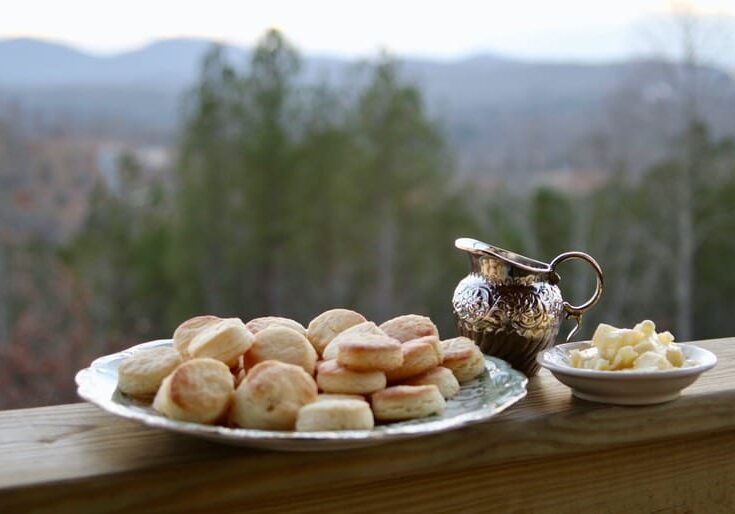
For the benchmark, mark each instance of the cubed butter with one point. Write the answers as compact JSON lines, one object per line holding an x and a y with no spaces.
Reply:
{"x":651,"y":360}
{"x":675,"y":356}
{"x":624,"y":358}
{"x":639,"y":348}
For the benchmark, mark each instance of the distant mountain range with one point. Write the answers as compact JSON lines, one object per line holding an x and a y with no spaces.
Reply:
{"x":32,"y":62}
{"x":502,"y":114}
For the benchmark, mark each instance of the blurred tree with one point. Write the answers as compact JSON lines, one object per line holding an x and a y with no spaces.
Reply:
{"x":636,"y":235}
{"x":559,"y":223}
{"x":268,"y":145}
{"x":715,"y":248}
{"x":235,"y":200}
{"x":692,"y":178}
{"x":553,"y":220}
{"x":312,"y":201}
{"x":121,"y":253}
{"x":204,"y":192}
{"x":323,"y":254}
{"x":409,"y":215}
{"x":666,"y":110}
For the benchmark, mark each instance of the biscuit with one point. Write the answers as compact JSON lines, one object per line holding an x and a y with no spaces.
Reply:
{"x":271,"y":395}
{"x":185,"y":332}
{"x":419,"y":356}
{"x":199,"y":390}
{"x":141,"y":374}
{"x":335,"y":415}
{"x":336,"y":396}
{"x":327,"y":325}
{"x":368,"y":327}
{"x":408,"y":327}
{"x":282,"y":344}
{"x":333,"y":378}
{"x":407,"y":402}
{"x":471,"y":369}
{"x":258,"y":324}
{"x":367,"y":352}
{"x":441,"y":377}
{"x":226,"y":340}
{"x":435,"y":343}
{"x":463,"y":357}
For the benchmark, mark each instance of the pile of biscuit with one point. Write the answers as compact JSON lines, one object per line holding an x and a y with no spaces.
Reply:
{"x":343,"y":372}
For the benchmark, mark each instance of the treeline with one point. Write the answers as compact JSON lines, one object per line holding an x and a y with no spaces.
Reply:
{"x":664,"y":240}
{"x":287,"y":199}
{"x":290,"y":198}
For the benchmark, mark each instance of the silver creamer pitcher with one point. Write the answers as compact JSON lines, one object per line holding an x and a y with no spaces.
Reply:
{"x":511,"y":306}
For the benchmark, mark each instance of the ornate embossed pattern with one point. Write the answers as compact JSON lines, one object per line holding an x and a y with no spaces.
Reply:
{"x":512,"y":318}
{"x":471,"y":300}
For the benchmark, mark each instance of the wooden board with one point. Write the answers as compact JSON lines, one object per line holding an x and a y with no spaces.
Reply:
{"x":551,"y":451}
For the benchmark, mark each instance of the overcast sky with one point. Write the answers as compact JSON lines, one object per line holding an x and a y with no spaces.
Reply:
{"x":553,"y":29}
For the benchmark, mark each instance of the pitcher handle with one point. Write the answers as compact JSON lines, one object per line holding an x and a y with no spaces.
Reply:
{"x":575,"y":311}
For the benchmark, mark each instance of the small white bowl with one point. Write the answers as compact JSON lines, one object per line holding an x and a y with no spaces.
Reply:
{"x":626,"y":387}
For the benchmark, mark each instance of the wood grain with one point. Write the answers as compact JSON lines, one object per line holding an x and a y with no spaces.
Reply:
{"x":677,"y":456}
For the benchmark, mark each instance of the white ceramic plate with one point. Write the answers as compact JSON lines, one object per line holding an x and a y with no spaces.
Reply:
{"x":626,"y":387}
{"x":494,"y":391}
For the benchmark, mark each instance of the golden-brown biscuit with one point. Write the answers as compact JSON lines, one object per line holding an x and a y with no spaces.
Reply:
{"x":408,"y":327}
{"x":333,"y":378}
{"x":407,"y":402}
{"x":141,"y":374}
{"x":435,"y":343}
{"x":327,"y":325}
{"x":225,"y":340}
{"x":367,"y":352}
{"x":282,"y":344}
{"x":463,"y":357}
{"x":271,"y":395}
{"x":441,"y":377}
{"x":185,"y":332}
{"x":198,"y":390}
{"x":368,"y":327}
{"x":335,"y":415}
{"x":258,"y":324}
{"x":471,"y":370}
{"x":419,"y":356}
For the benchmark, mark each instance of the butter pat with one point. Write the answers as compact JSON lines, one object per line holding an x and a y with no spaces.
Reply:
{"x":637,"y":348}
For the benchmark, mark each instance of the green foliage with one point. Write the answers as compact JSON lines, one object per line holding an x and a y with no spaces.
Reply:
{"x":121,"y":255}
{"x":290,"y":198}
{"x":637,"y":237}
{"x":552,"y":216}
{"x":410,"y":214}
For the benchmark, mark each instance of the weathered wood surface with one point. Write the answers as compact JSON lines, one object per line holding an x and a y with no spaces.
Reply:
{"x":550,"y":452}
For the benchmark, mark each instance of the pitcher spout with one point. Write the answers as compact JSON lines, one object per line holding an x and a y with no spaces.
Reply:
{"x":478,"y":248}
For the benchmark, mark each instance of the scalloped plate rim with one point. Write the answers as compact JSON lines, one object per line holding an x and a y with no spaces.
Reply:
{"x":85,"y":379}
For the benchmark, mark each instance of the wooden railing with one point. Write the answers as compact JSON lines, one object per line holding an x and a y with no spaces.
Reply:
{"x":548,"y":453}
